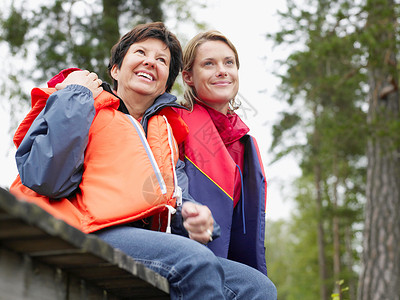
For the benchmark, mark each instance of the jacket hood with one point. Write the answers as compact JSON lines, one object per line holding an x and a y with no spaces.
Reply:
{"x":60,"y":77}
{"x":39,"y":98}
{"x":101,"y":101}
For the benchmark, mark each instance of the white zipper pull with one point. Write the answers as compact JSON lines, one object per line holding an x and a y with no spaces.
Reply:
{"x":178,"y":195}
{"x":171,"y":211}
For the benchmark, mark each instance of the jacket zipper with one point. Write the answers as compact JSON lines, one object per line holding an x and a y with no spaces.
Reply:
{"x":150,"y":155}
{"x":177,"y":190}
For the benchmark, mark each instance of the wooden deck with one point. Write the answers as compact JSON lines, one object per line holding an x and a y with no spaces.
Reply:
{"x":44,"y":258}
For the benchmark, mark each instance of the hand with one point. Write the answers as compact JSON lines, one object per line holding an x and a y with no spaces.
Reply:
{"x":85,"y":78}
{"x":198,"y":221}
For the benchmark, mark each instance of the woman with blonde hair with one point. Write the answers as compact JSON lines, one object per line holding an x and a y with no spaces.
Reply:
{"x":222,"y":160}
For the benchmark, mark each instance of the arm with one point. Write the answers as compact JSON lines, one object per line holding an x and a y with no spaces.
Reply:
{"x":50,"y":157}
{"x":192,"y":219}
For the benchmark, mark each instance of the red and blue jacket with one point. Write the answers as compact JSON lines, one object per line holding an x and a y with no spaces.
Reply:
{"x":91,"y":165}
{"x":211,"y":173}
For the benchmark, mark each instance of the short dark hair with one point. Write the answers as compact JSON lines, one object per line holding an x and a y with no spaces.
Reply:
{"x":141,"y":32}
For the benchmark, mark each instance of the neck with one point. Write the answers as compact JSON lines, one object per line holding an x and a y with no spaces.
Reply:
{"x":221,"y":107}
{"x":136,"y":104}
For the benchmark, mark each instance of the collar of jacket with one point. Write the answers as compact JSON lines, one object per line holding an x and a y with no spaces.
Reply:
{"x":162,"y":101}
{"x":230,"y":127}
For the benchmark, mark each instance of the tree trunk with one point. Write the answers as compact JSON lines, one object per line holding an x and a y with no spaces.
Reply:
{"x":350,"y":262}
{"x":111,"y":15}
{"x":321,"y":236}
{"x":380,"y":276}
{"x":320,"y":225}
{"x":336,"y":233}
{"x":110,"y":26}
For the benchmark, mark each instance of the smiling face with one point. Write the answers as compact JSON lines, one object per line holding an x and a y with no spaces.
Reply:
{"x":214,"y":75}
{"x":144,"y":71}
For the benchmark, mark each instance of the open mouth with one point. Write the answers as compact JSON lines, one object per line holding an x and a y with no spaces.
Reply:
{"x":145,"y":75}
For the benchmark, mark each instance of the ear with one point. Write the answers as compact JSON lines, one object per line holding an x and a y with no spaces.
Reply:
{"x":114,"y":72}
{"x":187,"y":77}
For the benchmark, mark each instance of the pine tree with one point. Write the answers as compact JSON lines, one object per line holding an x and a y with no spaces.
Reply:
{"x":323,"y":85}
{"x":380,"y":276}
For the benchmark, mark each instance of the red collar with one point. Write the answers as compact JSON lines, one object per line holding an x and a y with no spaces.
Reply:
{"x":230,"y":127}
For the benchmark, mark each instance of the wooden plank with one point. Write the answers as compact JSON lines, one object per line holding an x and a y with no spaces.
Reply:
{"x":16,"y":228}
{"x":27,"y":229}
{"x":22,"y":278}
{"x":37,"y":246}
{"x":65,"y":260}
{"x":80,"y":289}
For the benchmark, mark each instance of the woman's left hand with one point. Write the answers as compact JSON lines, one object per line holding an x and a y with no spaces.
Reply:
{"x":85,"y":78}
{"x":198,"y":221}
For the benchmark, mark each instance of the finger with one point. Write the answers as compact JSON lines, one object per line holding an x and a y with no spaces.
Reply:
{"x":194,"y":228}
{"x":198,"y":222}
{"x":203,"y":238}
{"x":198,"y":227}
{"x":60,"y":86}
{"x":203,"y":218}
{"x":97,"y":92}
{"x":189,"y":210}
{"x":93,"y":76}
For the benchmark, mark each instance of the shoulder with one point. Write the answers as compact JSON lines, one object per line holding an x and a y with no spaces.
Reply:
{"x":106,"y":117}
{"x":179,"y":127}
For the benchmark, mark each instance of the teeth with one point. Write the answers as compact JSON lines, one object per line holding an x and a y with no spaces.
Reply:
{"x":148,"y":76}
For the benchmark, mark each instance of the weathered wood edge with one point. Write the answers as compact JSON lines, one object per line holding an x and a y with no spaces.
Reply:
{"x":36,"y":216}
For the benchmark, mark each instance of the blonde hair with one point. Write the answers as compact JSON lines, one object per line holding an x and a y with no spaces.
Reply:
{"x":189,"y":55}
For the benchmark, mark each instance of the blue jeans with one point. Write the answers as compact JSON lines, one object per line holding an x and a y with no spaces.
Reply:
{"x":192,"y":270}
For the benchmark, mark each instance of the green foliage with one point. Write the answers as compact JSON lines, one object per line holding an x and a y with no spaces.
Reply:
{"x":14,"y":29}
{"x":292,"y":253}
{"x":288,"y":121}
{"x":326,"y":126}
{"x":71,"y":33}
{"x":339,"y":296}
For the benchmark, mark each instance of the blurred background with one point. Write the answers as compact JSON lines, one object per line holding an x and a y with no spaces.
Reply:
{"x":319,"y":91}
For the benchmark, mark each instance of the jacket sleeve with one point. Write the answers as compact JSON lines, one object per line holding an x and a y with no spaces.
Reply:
{"x":177,"y":221}
{"x":50,"y":157}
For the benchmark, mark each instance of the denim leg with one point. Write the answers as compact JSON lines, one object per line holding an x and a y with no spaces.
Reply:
{"x":191,"y":269}
{"x":244,"y":282}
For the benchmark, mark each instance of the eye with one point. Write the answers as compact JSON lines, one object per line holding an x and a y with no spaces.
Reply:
{"x":140,"y":51}
{"x":162,"y":59}
{"x":208,"y":63}
{"x":230,"y":62}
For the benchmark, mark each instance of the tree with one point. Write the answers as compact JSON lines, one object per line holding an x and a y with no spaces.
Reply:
{"x":380,"y":276}
{"x":323,"y":85}
{"x":46,"y":37}
{"x":293,"y":250}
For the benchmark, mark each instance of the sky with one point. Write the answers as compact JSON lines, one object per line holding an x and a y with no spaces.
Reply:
{"x":245,"y":23}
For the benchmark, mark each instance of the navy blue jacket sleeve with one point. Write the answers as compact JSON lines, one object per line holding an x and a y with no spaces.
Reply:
{"x":50,"y":157}
{"x":177,"y":221}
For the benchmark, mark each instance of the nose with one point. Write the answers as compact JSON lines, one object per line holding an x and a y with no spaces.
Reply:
{"x":149,"y":62}
{"x":221,"y":72}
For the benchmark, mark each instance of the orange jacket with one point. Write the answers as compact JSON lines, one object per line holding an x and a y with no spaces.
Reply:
{"x":126,"y":176}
